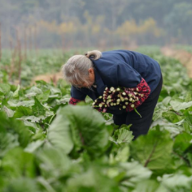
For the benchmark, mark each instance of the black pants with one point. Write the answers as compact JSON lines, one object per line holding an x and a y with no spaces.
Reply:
{"x":140,"y":126}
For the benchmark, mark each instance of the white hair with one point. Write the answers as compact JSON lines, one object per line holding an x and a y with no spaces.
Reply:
{"x":75,"y":70}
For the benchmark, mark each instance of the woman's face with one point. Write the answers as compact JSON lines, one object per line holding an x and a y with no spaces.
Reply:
{"x":90,"y":82}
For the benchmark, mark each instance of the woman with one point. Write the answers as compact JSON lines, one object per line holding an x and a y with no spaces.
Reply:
{"x":91,"y":73}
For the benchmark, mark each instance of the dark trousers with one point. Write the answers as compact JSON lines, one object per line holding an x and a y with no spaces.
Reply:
{"x":140,"y":126}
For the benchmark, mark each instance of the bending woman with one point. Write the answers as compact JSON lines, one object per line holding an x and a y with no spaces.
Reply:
{"x":91,"y":73}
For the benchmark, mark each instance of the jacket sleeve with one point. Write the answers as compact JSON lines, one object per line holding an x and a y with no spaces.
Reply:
{"x":76,"y":96}
{"x":130,"y":78}
{"x":143,"y":91}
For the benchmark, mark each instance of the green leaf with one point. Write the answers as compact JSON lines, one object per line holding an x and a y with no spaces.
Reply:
{"x":43,"y":97}
{"x":4,"y":88}
{"x":22,"y":184}
{"x":172,"y":116}
{"x":16,"y":103}
{"x":53,"y":163}
{"x":92,"y":180}
{"x":122,"y":135}
{"x":146,"y":186}
{"x":166,"y":101}
{"x":15,"y":127}
{"x":134,"y":173}
{"x":59,"y":134}
{"x":32,"y":118}
{"x":17,"y":163}
{"x":38,"y":108}
{"x":120,"y":154}
{"x":88,"y":129}
{"x":153,"y":150}
{"x":177,"y":182}
{"x":182,"y":143}
{"x":177,"y":106}
{"x":33,"y":91}
{"x":8,"y":111}
{"x":22,"y":111}
{"x":31,"y":147}
{"x":16,"y":93}
{"x":7,"y":142}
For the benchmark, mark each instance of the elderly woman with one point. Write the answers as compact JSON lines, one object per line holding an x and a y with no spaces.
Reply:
{"x":91,"y":73}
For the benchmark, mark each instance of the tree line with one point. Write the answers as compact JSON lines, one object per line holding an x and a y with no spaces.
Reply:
{"x":86,"y":23}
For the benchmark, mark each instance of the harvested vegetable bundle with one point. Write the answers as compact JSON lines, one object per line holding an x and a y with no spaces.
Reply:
{"x":125,"y":99}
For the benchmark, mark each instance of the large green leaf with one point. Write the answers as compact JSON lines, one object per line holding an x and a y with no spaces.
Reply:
{"x":7,"y":142}
{"x":153,"y":150}
{"x":17,"y":128}
{"x":133,"y":173}
{"x":22,"y":111}
{"x":172,"y":116}
{"x":16,"y":92}
{"x":59,"y":134}
{"x":22,"y":184}
{"x":93,"y":180}
{"x":43,"y":97}
{"x":119,"y":154}
{"x":34,"y":146}
{"x":8,"y":111}
{"x":53,"y":163}
{"x":177,"y":106}
{"x":88,"y":129}
{"x":17,"y":163}
{"x":182,"y":142}
{"x":4,"y":88}
{"x":177,"y":183}
{"x":38,"y":108}
{"x":147,"y":186}
{"x":122,"y":135}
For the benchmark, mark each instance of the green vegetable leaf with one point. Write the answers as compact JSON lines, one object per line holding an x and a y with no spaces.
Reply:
{"x":88,"y":129}
{"x":4,"y":88}
{"x":182,"y":142}
{"x":122,"y":135}
{"x":177,"y":106}
{"x":22,"y":184}
{"x":177,"y":182}
{"x":38,"y":108}
{"x":17,"y":163}
{"x":134,"y":173}
{"x":59,"y":134}
{"x":153,"y":150}
{"x":7,"y":142}
{"x":53,"y":163}
{"x":147,"y":186}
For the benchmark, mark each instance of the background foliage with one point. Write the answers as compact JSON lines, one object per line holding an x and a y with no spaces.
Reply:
{"x":77,"y":23}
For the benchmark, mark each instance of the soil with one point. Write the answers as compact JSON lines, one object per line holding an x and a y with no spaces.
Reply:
{"x":48,"y":77}
{"x":183,"y":56}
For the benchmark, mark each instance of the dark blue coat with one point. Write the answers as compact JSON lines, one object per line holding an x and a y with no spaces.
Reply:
{"x":120,"y":68}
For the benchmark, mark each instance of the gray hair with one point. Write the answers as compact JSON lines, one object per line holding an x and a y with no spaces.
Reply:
{"x":75,"y":70}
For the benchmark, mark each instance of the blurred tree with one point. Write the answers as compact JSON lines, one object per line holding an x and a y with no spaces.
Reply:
{"x":98,"y":21}
{"x":179,"y":22}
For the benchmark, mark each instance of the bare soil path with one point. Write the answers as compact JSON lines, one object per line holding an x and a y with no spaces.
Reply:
{"x":48,"y":77}
{"x":183,"y":56}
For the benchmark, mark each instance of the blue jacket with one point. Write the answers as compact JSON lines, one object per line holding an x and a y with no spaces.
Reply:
{"x":120,"y":68}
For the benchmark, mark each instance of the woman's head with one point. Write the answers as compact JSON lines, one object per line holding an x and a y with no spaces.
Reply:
{"x":79,"y":70}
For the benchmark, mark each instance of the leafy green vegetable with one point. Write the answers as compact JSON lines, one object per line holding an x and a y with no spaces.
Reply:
{"x":153,"y":150}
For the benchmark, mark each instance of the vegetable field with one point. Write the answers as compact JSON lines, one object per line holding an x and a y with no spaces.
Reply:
{"x":47,"y":145}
